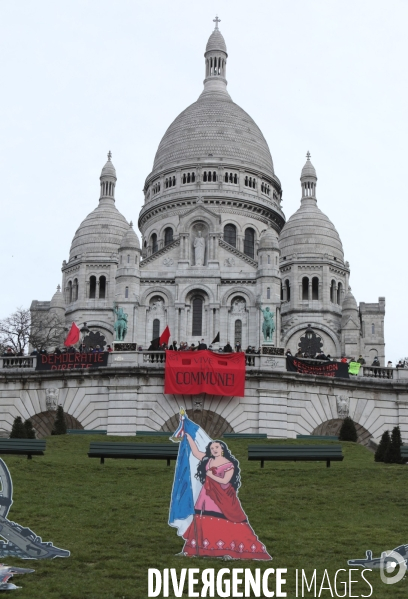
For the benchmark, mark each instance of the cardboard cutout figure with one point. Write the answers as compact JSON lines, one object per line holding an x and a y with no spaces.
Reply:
{"x":7,"y":572}
{"x":204,"y":503}
{"x":20,"y":542}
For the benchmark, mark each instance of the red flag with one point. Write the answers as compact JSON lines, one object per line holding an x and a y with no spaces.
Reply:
{"x":73,"y":335}
{"x":165,"y":336}
{"x":193,"y":372}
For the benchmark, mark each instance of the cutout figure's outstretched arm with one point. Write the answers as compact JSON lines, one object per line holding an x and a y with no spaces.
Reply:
{"x":194,"y":449}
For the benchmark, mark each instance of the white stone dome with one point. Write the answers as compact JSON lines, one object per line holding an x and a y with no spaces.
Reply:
{"x":57,"y":300}
{"x":214,"y":127}
{"x":310,"y":233}
{"x":349,"y":303}
{"x":129,"y":240}
{"x":101,"y":232}
{"x":216,"y":41}
{"x":269,"y":240}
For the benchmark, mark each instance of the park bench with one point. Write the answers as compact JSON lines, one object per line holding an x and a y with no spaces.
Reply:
{"x":244,"y":436}
{"x":83,"y":431}
{"x":318,"y":437}
{"x":328,"y":453}
{"x":133,"y":451}
{"x":153,"y":434}
{"x":28,"y":447}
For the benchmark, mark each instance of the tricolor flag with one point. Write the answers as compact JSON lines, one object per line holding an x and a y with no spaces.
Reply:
{"x":73,"y":336}
{"x":186,"y":487}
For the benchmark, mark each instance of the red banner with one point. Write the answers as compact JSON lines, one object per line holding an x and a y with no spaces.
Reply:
{"x":204,"y":371}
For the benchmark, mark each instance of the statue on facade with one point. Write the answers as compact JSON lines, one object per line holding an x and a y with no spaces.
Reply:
{"x":268,"y":325}
{"x":238,"y":306}
{"x":121,"y":324}
{"x":199,"y":249}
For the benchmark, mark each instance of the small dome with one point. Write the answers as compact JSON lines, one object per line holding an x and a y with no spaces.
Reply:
{"x":308,"y":170}
{"x":108,"y":170}
{"x":101,"y":232}
{"x":57,"y":300}
{"x":216,"y":42}
{"x":129,"y":240}
{"x":269,"y":240}
{"x":349,"y":302}
{"x":309,"y":233}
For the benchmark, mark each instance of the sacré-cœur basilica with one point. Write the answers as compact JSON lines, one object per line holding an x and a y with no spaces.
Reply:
{"x":215,"y":246}
{"x":215,"y":252}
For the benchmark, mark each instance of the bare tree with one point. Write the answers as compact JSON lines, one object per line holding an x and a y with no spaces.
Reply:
{"x":22,"y":330}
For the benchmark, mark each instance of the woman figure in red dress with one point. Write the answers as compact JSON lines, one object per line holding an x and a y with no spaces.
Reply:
{"x":220,"y":527}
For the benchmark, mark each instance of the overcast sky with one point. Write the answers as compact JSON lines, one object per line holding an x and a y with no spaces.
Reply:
{"x":80,"y":78}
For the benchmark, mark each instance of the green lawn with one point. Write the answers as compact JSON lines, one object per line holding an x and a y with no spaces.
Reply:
{"x":113,"y":518}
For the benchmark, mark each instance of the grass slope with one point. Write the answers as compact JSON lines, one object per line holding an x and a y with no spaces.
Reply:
{"x":113,"y":518}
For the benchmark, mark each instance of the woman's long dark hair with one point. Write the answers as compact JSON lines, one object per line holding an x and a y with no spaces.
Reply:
{"x":201,"y":468}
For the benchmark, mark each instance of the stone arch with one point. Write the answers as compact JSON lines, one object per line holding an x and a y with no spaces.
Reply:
{"x":332,"y":427}
{"x":149,"y":293}
{"x":210,"y":219}
{"x":213,"y":424}
{"x":44,"y":421}
{"x":318,"y":326}
{"x":228,"y":296}
{"x":101,"y":325}
{"x":233,"y":221}
{"x":197,"y":287}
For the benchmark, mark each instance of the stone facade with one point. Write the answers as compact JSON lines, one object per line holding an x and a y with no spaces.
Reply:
{"x":215,"y":247}
{"x":127,"y":396}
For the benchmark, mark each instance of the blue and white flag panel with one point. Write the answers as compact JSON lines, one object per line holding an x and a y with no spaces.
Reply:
{"x":186,"y":487}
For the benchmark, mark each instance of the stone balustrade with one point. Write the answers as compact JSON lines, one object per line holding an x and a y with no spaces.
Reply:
{"x":157,"y":359}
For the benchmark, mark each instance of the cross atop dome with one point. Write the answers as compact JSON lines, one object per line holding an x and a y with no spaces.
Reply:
{"x":308,"y":155}
{"x":109,"y":155}
{"x":216,"y":21}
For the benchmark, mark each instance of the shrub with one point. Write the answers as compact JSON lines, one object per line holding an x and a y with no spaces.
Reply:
{"x":382,"y":447}
{"x":60,"y":427}
{"x":29,"y":429}
{"x":393,"y":452}
{"x":18,"y":430}
{"x":348,"y":430}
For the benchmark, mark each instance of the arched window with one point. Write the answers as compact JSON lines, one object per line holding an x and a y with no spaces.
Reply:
{"x":238,"y":332}
{"x":205,"y":176}
{"x":236,"y":178}
{"x":197,"y":317}
{"x":174,"y":181}
{"x":75,"y":290}
{"x":230,"y":234}
{"x":269,"y":259}
{"x":168,"y":235}
{"x":155,"y":247}
{"x":92,"y":287}
{"x":209,"y":176}
{"x":281,"y":294}
{"x":128,"y":258}
{"x":339,"y":289}
{"x":156,"y":328}
{"x":287,"y":286}
{"x":249,"y":242}
{"x":315,"y":288}
{"x":193,"y":177}
{"x":188,"y":178}
{"x":268,"y":293}
{"x":126,"y":292}
{"x":305,"y":288}
{"x":333,"y":291}
{"x":102,"y":287}
{"x":214,"y":176}
{"x":184,"y":178}
{"x":69,"y":293}
{"x":246,"y":181}
{"x":373,"y":329}
{"x":226,"y":178}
